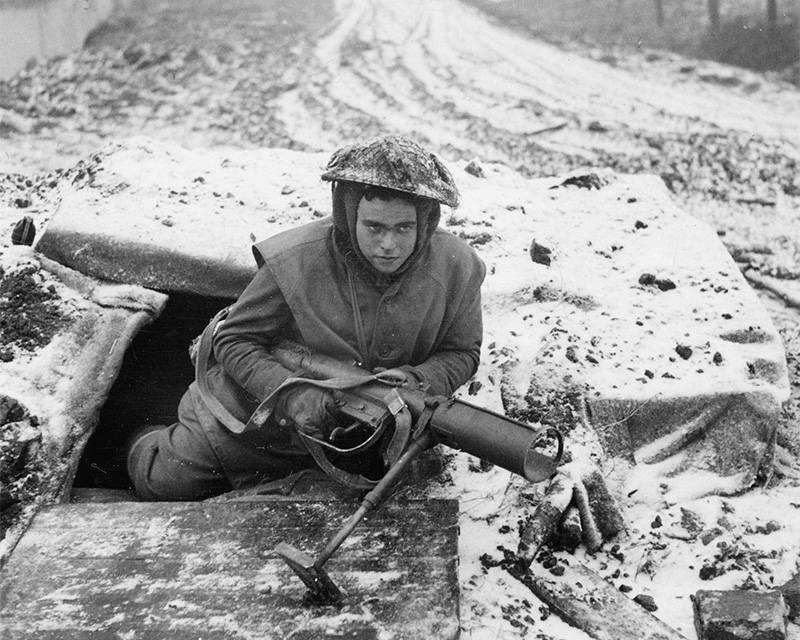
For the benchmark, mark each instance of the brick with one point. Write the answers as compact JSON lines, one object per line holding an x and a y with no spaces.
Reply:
{"x":740,"y":615}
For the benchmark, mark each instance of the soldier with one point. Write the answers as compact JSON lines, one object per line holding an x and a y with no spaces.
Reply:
{"x":377,"y":283}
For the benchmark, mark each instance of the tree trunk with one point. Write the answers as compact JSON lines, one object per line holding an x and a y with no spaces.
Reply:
{"x":772,"y":14}
{"x":660,"y":13}
{"x":713,"y":14}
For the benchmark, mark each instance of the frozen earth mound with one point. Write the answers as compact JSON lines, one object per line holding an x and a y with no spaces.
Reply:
{"x":605,"y":305}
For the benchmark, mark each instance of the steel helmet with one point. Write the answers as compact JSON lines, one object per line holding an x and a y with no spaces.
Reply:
{"x":396,"y":163}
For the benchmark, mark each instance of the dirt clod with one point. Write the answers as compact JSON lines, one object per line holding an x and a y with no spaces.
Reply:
{"x":29,"y":311}
{"x":683,"y":351}
{"x":20,"y":461}
{"x":646,"y":602}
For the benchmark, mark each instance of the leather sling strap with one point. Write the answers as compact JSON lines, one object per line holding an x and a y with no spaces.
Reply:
{"x":204,"y":355}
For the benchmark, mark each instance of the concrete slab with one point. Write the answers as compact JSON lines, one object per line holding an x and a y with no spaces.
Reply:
{"x":189,"y":570}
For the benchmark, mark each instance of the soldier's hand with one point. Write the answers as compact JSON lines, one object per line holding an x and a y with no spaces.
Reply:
{"x":312,"y":410}
{"x":399,"y":377}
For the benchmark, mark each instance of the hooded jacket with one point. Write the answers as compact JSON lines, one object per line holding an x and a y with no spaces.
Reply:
{"x":314,"y":286}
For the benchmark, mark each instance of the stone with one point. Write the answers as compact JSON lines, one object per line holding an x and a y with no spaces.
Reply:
{"x":540,"y":254}
{"x":740,"y":615}
{"x":474,"y":168}
{"x":791,"y":592}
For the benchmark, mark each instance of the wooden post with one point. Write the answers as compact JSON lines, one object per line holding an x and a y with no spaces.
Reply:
{"x":583,"y":599}
{"x":544,"y":522}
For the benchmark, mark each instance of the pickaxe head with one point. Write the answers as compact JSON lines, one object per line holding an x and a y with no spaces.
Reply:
{"x":322,"y":590}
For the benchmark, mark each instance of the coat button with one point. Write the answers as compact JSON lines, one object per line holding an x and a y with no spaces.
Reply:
{"x":385,"y":351}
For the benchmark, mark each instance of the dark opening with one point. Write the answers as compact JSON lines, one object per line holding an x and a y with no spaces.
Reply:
{"x":156,"y":371}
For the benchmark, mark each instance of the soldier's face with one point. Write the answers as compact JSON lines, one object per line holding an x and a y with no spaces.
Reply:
{"x":386,"y":231}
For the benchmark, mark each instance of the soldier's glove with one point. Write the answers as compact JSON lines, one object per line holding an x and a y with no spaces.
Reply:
{"x":312,"y":410}
{"x":405,"y":376}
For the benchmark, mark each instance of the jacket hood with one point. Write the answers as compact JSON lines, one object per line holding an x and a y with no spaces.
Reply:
{"x":346,"y":198}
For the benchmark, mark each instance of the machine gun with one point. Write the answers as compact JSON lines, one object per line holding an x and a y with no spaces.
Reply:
{"x":400,"y":423}
{"x":395,"y":422}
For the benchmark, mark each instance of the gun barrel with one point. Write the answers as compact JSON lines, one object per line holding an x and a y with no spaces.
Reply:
{"x":509,"y":444}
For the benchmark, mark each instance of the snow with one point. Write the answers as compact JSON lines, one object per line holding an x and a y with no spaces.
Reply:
{"x":595,"y":288}
{"x":34,"y":378}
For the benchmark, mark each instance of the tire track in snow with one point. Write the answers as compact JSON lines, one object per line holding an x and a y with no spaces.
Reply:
{"x":441,"y":71}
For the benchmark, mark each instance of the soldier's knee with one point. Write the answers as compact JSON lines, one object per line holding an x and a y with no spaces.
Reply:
{"x":142,"y":463}
{"x":160,"y":472}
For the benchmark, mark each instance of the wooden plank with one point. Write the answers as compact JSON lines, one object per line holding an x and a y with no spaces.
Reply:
{"x":190,"y":570}
{"x":583,"y":599}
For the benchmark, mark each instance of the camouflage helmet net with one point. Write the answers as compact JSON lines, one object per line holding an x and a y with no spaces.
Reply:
{"x":396,"y":163}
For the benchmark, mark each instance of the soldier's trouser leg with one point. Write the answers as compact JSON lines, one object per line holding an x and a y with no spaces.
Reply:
{"x":198,"y":457}
{"x":175,"y":462}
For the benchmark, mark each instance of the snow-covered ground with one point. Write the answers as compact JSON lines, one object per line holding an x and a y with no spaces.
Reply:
{"x":442,"y":73}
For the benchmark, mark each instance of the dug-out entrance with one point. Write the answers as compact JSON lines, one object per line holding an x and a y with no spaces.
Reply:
{"x":155,"y":372}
